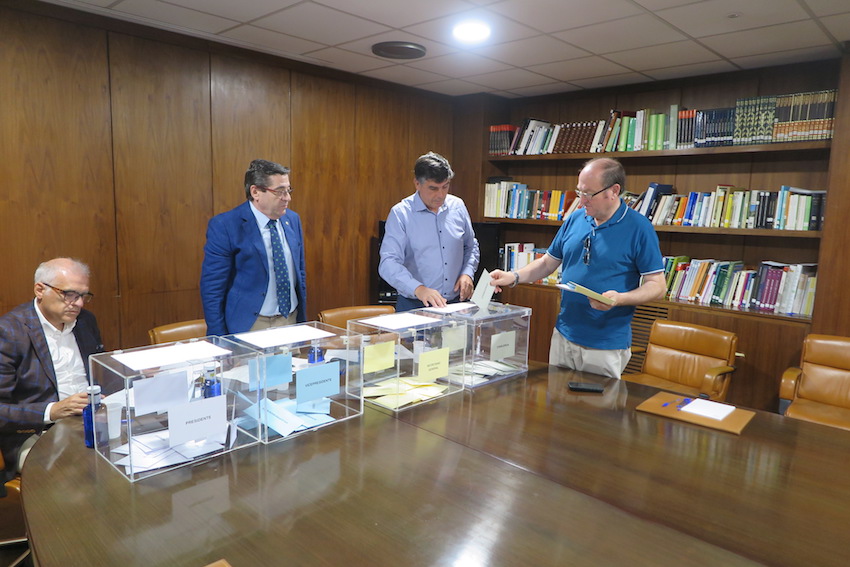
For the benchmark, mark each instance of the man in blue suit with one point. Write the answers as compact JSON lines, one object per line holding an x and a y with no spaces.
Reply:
{"x":254,"y":274}
{"x":44,"y":350}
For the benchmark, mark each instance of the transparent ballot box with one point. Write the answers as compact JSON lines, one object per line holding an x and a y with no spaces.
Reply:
{"x":308,"y":377}
{"x":497,"y":339}
{"x":167,"y":406}
{"x":410,"y":358}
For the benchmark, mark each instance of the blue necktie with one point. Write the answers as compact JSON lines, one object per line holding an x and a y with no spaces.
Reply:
{"x":281,"y":273}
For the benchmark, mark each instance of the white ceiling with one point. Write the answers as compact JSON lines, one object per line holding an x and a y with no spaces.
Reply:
{"x":537,"y":46}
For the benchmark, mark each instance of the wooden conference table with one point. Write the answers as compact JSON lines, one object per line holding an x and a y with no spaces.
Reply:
{"x":523,"y":472}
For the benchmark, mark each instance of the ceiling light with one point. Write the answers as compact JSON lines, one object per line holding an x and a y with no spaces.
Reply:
{"x":471,"y":31}
{"x":398,"y":50}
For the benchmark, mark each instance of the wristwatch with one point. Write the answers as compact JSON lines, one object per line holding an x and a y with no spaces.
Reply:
{"x":516,"y":278}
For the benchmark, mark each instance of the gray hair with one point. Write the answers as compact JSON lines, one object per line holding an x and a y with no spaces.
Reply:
{"x":47,"y":271}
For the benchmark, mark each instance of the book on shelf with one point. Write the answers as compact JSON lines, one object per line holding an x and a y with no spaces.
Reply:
{"x":626,"y":127}
{"x":681,"y":207}
{"x":802,"y":116}
{"x":598,"y":135}
{"x":671,"y":265}
{"x":671,"y":136}
{"x":530,"y":127}
{"x":609,"y":129}
{"x":653,"y":193}
{"x":501,"y":136}
{"x":611,"y":143}
{"x":516,"y":255}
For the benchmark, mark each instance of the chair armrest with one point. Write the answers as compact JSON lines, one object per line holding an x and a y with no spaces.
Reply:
{"x":788,"y":386}
{"x":638,"y":349}
{"x":713,"y":383}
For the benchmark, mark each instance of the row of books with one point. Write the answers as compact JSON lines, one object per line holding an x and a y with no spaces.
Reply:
{"x":753,"y":120}
{"x":790,"y":208}
{"x":785,"y":118}
{"x":516,"y":255}
{"x":773,"y":287}
{"x":509,"y":199}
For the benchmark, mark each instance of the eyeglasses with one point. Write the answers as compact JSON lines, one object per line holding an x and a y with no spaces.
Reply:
{"x":277,"y":192}
{"x":69,"y":295}
{"x":589,"y":196}
{"x":585,"y":257}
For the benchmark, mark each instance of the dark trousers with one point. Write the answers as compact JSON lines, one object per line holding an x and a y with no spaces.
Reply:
{"x":405,"y":304}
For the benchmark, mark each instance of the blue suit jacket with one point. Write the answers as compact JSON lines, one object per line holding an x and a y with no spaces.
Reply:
{"x":27,"y":376}
{"x":235,"y":273}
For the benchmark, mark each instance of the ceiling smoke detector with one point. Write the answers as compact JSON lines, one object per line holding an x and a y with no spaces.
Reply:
{"x":398,"y":50}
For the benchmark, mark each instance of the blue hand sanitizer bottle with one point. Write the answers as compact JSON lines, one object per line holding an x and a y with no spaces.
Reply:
{"x":88,"y":414}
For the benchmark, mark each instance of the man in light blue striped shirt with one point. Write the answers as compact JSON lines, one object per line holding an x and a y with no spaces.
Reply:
{"x":429,"y":253}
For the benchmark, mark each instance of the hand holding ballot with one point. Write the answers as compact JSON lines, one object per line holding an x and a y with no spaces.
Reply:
{"x":597,"y":300}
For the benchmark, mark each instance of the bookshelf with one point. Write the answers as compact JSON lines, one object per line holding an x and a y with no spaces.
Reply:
{"x":769,"y":342}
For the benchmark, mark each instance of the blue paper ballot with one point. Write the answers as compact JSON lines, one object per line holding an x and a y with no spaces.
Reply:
{"x":317,"y":381}
{"x":278,"y":370}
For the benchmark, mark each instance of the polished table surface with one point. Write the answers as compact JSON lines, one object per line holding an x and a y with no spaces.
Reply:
{"x":523,"y":472}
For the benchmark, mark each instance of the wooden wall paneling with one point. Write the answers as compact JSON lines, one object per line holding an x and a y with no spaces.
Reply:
{"x":431,"y":122}
{"x":56,"y":164}
{"x":544,"y":302}
{"x":651,"y":96}
{"x":382,"y":176}
{"x":809,"y":170}
{"x":717,"y":91}
{"x":540,"y":108}
{"x":323,"y":155}
{"x":473,"y":115}
{"x":832,"y":302}
{"x":640,"y":173}
{"x":798,"y":77}
{"x":769,"y":345}
{"x":584,"y":108}
{"x":163,"y":177}
{"x":250,"y":120}
{"x":695,"y":174}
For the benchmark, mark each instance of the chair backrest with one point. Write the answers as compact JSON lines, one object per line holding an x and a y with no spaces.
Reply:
{"x":12,"y":526}
{"x":340,"y":316}
{"x":178,"y":331}
{"x":825,"y":368}
{"x":683,"y":352}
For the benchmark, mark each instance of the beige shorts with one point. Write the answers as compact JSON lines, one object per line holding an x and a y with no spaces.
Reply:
{"x":568,"y":354}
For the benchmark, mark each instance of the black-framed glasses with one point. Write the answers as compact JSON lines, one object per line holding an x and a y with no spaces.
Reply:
{"x":277,"y":192}
{"x":585,"y":257}
{"x":69,"y":295}
{"x":589,"y":196}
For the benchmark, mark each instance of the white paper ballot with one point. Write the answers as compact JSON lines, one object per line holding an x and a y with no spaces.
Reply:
{"x":483,"y":291}
{"x":398,"y":321}
{"x":172,"y":354}
{"x":451,"y":307}
{"x":706,"y":408}
{"x":161,"y":392}
{"x":283,"y":336}
{"x":198,"y":420}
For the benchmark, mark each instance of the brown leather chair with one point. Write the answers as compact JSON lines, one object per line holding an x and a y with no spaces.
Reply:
{"x":688,"y":359}
{"x":13,"y":531}
{"x":819,"y":389}
{"x":178,"y":331}
{"x":340,"y":316}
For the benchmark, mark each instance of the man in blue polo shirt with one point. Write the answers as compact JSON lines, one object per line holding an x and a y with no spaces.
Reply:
{"x":609,"y":248}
